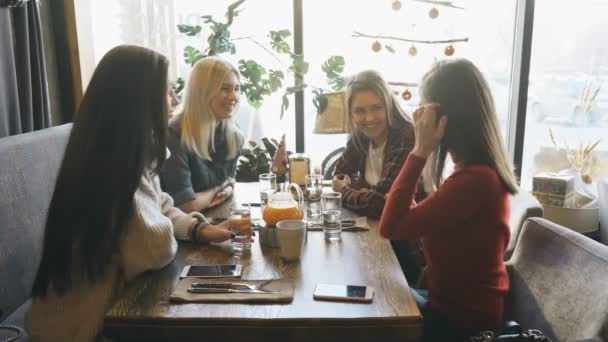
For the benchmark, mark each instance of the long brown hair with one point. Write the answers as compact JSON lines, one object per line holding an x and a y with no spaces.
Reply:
{"x":118,"y":132}
{"x":371,"y":80}
{"x":472,"y":132}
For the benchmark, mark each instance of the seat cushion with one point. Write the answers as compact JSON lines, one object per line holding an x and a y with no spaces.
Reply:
{"x":29,"y":164}
{"x":17,"y":318}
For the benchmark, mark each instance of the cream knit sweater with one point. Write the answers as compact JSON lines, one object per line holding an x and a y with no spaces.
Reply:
{"x":149,"y":244}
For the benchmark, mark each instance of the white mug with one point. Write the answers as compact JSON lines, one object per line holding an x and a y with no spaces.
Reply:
{"x":291,"y":235}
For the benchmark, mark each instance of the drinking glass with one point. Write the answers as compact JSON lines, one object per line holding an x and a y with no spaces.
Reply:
{"x":314,"y":187}
{"x":240,"y":225}
{"x":314,"y":215}
{"x":268,"y":185}
{"x":331,"y":205}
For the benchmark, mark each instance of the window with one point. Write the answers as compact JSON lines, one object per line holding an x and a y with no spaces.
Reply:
{"x":102,"y":25}
{"x":563,"y":81}
{"x":328,"y":30}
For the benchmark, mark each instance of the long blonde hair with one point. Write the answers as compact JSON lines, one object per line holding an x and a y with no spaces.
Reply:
{"x":198,"y":122}
{"x":371,"y":80}
{"x":472,"y":131}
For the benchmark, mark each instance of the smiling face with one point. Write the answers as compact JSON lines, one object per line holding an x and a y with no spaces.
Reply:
{"x":369,"y":115}
{"x":224,"y":102}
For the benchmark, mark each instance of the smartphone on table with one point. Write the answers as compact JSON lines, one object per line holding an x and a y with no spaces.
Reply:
{"x":346,"y":293}
{"x":212,"y":271}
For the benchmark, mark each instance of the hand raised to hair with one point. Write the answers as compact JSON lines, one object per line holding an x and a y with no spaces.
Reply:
{"x":428,"y":132}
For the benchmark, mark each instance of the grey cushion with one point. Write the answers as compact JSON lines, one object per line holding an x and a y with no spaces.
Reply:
{"x":17,"y":318}
{"x":559,"y":283}
{"x":29,"y":164}
{"x":523,"y":206}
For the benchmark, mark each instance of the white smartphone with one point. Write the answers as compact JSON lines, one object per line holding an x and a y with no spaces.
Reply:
{"x":348,"y":293}
{"x":212,"y":271}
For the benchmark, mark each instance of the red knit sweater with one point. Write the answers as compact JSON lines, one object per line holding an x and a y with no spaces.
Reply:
{"x":464,"y":227}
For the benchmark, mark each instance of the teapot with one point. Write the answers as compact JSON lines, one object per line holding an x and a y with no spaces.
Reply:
{"x":282,"y":206}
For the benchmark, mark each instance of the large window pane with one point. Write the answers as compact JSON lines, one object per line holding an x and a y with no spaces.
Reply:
{"x":102,"y":25}
{"x":329,"y":26}
{"x":563,"y":80}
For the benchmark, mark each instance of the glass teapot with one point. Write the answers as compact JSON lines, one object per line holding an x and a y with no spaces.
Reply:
{"x":282,"y":206}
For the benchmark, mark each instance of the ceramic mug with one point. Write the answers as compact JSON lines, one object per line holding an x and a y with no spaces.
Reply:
{"x":291,"y":235}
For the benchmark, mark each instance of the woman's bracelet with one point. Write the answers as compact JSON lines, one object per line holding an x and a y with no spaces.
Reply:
{"x":195,"y":229}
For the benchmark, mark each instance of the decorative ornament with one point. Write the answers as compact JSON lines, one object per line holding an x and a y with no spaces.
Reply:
{"x":406,"y":95}
{"x":449,"y":50}
{"x":434,"y":13}
{"x":279,"y":160}
{"x":376,"y":47}
{"x":412,"y":51}
{"x":396,"y":5}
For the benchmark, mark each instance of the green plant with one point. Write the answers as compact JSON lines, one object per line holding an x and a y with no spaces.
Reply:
{"x":258,"y":81}
{"x":255,"y":159}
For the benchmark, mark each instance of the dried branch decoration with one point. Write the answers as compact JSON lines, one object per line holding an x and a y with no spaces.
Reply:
{"x":577,"y":158}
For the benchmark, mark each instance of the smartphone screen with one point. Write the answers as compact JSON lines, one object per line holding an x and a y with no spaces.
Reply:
{"x":212,"y":271}
{"x":349,"y":291}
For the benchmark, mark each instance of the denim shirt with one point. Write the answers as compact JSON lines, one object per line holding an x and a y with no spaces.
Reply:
{"x":185,"y":174}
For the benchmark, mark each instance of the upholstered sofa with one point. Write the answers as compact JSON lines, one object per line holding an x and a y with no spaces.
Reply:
{"x":559,"y":283}
{"x":523,"y":206}
{"x":29,"y":164}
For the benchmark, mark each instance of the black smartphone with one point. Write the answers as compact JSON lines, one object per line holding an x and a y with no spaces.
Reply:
{"x":212,"y":271}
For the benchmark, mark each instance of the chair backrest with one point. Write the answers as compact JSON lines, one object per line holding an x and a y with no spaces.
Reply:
{"x":29,"y":164}
{"x":559,"y":283}
{"x":523,"y":206}
{"x":329,"y":163}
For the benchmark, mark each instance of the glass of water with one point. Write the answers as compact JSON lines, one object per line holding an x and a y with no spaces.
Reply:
{"x":240,"y":225}
{"x":268,"y":185}
{"x":331,"y":205}
{"x":314,"y":187}
{"x":314,"y":215}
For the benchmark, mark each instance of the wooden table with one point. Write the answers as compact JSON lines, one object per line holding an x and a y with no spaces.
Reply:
{"x":361,"y":258}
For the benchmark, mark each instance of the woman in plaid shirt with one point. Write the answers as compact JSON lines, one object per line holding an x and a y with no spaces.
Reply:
{"x":382,"y":136}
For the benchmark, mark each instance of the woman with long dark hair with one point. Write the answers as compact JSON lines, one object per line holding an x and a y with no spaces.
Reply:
{"x":464,"y":223}
{"x":108,"y":220}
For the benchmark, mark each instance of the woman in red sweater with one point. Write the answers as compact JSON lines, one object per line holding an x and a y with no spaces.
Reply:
{"x":464,"y":223}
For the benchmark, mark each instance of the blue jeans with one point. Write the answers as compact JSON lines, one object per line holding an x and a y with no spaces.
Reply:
{"x":436,"y":327}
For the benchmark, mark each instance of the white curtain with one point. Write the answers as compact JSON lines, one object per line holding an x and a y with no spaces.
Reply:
{"x":102,"y":25}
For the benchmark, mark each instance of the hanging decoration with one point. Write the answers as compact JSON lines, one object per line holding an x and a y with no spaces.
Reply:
{"x":449,"y":50}
{"x":376,"y":46}
{"x":412,"y":51}
{"x":396,"y":5}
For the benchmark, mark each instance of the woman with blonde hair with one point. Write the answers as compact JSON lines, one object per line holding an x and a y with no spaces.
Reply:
{"x":464,"y":223}
{"x":381,"y":137}
{"x":204,"y":139}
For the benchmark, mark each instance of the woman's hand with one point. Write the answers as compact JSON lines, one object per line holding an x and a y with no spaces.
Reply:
{"x":428,"y":132}
{"x":221,"y":196}
{"x":242,"y":228}
{"x":215,"y":233}
{"x":340,"y":182}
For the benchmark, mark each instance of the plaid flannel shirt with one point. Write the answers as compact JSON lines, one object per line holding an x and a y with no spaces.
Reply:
{"x":399,"y":144}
